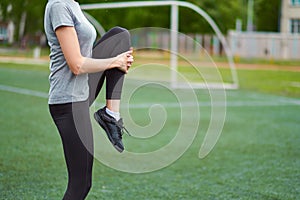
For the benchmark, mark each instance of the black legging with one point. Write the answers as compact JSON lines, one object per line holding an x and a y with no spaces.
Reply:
{"x":73,"y":119}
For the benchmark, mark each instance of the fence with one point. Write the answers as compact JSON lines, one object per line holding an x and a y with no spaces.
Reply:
{"x":190,"y":43}
{"x":265,"y":45}
{"x":242,"y":44}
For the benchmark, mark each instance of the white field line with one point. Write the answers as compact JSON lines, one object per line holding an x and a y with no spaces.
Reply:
{"x":23,"y":91}
{"x":208,"y":104}
{"x":279,"y":102}
{"x":30,"y":61}
{"x":295,"y":84}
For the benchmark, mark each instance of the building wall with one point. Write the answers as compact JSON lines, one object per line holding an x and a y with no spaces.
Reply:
{"x":290,"y":10}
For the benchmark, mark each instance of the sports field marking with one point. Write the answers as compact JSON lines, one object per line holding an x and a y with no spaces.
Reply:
{"x":23,"y":91}
{"x":20,"y":60}
{"x":280,"y":101}
{"x":295,"y":84}
{"x":208,"y":104}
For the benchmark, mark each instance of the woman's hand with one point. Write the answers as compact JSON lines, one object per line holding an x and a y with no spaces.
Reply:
{"x":124,"y":61}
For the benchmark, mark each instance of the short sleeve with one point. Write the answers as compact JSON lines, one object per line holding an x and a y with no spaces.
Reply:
{"x":60,"y":15}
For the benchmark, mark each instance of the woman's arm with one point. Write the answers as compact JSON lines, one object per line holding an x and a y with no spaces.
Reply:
{"x":78,"y":64}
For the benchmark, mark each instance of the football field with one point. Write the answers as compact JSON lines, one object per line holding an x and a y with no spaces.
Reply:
{"x":257,"y":155}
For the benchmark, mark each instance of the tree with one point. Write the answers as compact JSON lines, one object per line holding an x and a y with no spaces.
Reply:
{"x":224,"y":13}
{"x":267,"y":15}
{"x":131,"y":17}
{"x":24,"y":13}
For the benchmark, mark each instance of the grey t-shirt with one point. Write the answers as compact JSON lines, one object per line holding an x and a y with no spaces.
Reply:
{"x":65,"y":87}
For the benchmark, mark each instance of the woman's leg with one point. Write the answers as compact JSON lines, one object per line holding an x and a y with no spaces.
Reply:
{"x":77,"y":139}
{"x":113,"y":43}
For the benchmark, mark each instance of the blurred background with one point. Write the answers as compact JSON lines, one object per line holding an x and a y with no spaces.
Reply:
{"x":271,"y":23}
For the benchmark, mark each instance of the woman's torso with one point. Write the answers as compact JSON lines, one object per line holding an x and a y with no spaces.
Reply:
{"x":65,"y":87}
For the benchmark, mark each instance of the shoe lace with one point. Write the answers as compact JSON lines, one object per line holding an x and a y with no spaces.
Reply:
{"x":122,"y":127}
{"x":119,"y":124}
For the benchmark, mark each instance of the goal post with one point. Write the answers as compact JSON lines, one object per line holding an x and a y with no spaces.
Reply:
{"x":174,"y":36}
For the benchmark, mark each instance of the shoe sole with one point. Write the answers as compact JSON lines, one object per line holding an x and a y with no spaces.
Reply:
{"x":99,"y":120}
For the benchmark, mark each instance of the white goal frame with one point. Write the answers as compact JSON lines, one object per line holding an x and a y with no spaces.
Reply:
{"x":174,"y":36}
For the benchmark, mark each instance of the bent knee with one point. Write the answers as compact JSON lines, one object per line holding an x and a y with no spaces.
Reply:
{"x":120,"y":30}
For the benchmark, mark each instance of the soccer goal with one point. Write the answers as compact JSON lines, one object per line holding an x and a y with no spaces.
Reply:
{"x":208,"y":72}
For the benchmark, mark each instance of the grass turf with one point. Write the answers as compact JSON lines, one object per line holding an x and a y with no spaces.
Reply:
{"x":256,"y":157}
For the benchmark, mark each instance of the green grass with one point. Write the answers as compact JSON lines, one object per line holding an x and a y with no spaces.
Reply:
{"x":269,"y":81}
{"x":256,"y":157}
{"x":280,"y":82}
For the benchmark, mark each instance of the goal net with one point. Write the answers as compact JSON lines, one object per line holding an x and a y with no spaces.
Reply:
{"x":186,"y":63}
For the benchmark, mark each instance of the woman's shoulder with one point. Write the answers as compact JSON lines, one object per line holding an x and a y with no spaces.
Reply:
{"x":56,"y":3}
{"x":62,"y":4}
{"x":59,"y":6}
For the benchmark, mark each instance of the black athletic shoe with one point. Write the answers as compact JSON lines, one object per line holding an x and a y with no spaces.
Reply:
{"x":113,"y":128}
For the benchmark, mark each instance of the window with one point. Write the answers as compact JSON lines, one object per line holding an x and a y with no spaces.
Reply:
{"x":295,"y":25}
{"x":295,"y":2}
{"x":3,"y":33}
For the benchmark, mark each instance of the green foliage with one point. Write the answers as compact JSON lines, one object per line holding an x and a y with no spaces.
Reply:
{"x":34,"y":10}
{"x":224,"y":13}
{"x":267,"y":15}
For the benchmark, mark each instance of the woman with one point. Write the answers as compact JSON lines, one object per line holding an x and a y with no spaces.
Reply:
{"x":75,"y":81}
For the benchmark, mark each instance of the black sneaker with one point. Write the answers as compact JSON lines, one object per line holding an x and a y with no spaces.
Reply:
{"x":113,"y":128}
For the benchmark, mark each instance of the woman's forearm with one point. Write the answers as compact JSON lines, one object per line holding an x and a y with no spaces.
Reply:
{"x":91,"y":65}
{"x":78,"y":64}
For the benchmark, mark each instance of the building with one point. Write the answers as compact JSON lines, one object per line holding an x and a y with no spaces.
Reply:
{"x":283,"y":45}
{"x":3,"y":32}
{"x":7,"y":32}
{"x":290,"y":16}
